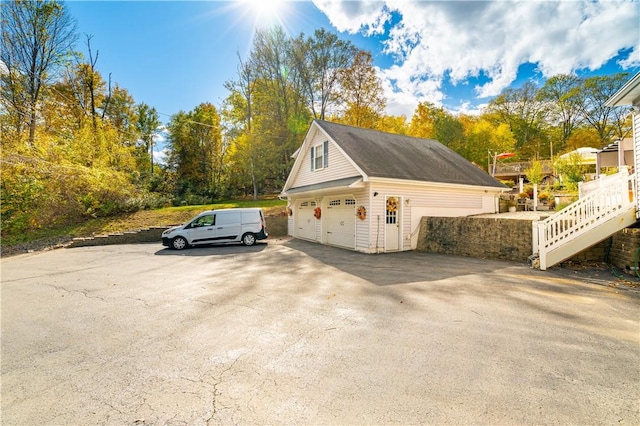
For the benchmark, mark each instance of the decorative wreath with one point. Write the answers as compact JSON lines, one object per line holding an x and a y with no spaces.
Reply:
{"x":289,"y":211}
{"x":392,"y":204}
{"x":317,"y":212}
{"x":361,"y":213}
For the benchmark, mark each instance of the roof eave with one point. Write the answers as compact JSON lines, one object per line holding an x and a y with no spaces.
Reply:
{"x":443,"y":185}
{"x":629,"y":94}
{"x":350,"y":183}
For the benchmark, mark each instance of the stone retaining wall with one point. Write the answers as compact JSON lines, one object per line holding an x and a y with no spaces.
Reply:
{"x":510,"y":239}
{"x":490,"y":238}
{"x":624,"y":250}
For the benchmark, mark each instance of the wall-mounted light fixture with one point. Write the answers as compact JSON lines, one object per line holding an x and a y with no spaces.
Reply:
{"x":375,"y":194}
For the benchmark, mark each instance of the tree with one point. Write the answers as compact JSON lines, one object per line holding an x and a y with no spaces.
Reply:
{"x":534,"y":172}
{"x":279,"y":111}
{"x":318,"y":61}
{"x":362,"y":93}
{"x":393,"y":124}
{"x":525,"y":114}
{"x":423,"y":121}
{"x":433,"y":122}
{"x":606,"y":120}
{"x":571,"y":169}
{"x":483,"y":137}
{"x":563,"y":94}
{"x":238,"y":115}
{"x":196,"y":151}
{"x":36,"y":36}
{"x":147,"y":125}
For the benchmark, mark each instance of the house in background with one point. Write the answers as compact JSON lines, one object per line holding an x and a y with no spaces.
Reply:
{"x":367,"y":190}
{"x":617,"y":154}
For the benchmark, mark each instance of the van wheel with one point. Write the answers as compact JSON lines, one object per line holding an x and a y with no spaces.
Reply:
{"x":178,"y":243}
{"x":248,"y":239}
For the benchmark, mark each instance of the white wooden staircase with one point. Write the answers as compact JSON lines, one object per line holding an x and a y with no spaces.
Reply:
{"x":593,"y":218}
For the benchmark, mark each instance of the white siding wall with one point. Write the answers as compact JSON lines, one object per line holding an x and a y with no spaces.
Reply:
{"x":636,"y":166}
{"x":362,"y":234}
{"x":339,"y":167}
{"x":419,"y":201}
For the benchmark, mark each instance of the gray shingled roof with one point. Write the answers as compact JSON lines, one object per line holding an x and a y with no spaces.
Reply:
{"x":386,"y":155}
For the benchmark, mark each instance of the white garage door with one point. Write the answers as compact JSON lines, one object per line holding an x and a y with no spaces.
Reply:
{"x":341,"y":222}
{"x":305,"y":221}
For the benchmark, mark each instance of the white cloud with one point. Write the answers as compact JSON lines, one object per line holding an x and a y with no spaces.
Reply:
{"x":354,"y":16}
{"x":160,"y":156}
{"x":438,"y":42}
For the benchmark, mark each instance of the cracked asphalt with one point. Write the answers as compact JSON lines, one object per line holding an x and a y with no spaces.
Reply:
{"x":291,"y":332}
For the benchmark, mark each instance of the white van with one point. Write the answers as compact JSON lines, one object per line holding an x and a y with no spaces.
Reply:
{"x":222,"y":226}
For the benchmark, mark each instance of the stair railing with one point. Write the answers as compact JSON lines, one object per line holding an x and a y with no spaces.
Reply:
{"x":614,"y":198}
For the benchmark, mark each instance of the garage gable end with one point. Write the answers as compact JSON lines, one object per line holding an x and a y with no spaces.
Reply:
{"x":319,"y":160}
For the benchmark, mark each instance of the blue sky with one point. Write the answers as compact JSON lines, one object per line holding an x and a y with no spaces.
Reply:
{"x":176,"y":55}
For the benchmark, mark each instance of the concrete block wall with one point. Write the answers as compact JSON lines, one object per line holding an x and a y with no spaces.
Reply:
{"x":510,"y":239}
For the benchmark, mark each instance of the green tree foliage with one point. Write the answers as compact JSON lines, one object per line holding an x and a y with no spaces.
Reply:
{"x":147,"y":126}
{"x":534,"y":172}
{"x":571,"y":170}
{"x":266,"y":113}
{"x":196,"y":155}
{"x":68,"y":137}
{"x":36,"y":37}
{"x":318,"y":61}
{"x":484,"y":138}
{"x":361,"y":92}
{"x":606,"y":120}
{"x":526,"y":116}
{"x":565,"y":99}
{"x":433,"y":122}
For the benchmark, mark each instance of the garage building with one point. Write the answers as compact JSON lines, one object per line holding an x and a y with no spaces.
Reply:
{"x":367,"y":190}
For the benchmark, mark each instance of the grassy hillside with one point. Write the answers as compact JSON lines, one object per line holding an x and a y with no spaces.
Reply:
{"x":167,"y":216}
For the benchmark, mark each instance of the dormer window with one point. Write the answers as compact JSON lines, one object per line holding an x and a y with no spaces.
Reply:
{"x":320,"y":156}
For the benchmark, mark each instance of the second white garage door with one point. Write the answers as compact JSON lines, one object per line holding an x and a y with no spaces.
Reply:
{"x":341,"y":222}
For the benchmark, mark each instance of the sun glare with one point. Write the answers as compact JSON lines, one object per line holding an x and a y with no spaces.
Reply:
{"x":265,"y":13}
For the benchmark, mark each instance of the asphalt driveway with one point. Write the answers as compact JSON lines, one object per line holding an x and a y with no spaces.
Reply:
{"x":298,"y":333}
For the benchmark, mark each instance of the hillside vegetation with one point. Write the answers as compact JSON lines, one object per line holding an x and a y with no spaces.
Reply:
{"x":42,"y":238}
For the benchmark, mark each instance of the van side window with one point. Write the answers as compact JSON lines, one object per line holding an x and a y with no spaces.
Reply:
{"x":207,"y":220}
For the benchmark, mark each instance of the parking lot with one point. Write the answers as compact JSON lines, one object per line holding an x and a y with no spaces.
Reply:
{"x":289,"y":332}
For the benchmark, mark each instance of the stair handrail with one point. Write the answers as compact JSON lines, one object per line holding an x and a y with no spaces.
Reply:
{"x":586,"y":188}
{"x":595,"y":208}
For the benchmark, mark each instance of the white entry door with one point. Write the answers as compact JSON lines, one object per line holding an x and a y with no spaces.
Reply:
{"x":392,"y":224}
{"x":341,"y":222}
{"x":305,"y":221}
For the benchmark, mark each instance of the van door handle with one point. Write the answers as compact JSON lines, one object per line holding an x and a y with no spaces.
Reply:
{"x":219,"y":227}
